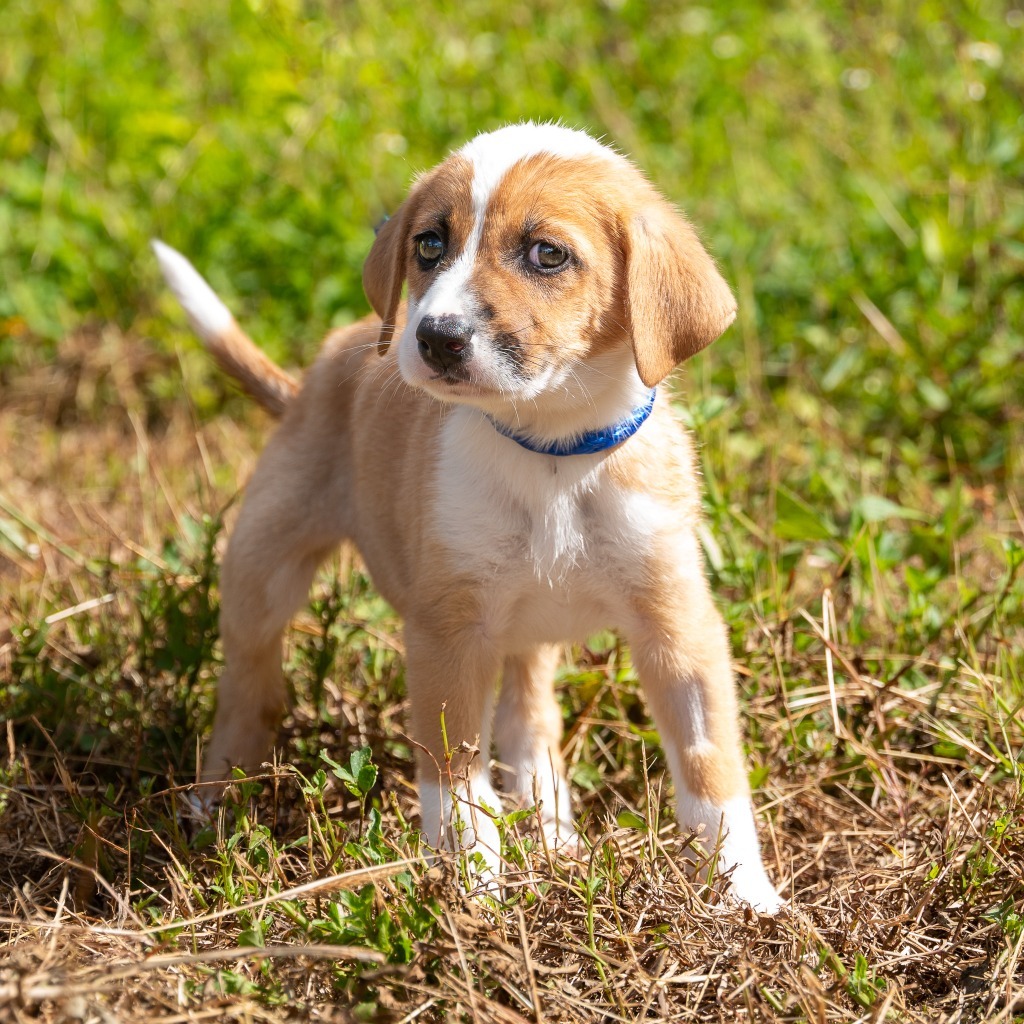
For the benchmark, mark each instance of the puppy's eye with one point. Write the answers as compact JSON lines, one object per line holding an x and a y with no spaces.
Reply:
{"x":429,"y":247}
{"x":547,"y":256}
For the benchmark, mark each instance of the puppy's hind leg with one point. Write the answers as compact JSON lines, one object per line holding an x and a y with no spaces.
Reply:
{"x":528,"y":734}
{"x":289,"y":523}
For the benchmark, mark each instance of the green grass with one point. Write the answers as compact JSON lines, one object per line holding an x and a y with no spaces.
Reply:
{"x":839,"y":163}
{"x":858,"y":175}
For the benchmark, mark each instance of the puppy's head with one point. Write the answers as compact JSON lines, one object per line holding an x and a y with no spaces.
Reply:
{"x":530,"y":251}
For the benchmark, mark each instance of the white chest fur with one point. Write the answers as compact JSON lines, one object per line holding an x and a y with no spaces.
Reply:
{"x":557,"y":536}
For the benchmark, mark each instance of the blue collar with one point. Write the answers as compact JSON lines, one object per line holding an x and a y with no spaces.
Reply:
{"x":590,"y":443}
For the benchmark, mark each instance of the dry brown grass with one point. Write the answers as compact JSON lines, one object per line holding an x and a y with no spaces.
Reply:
{"x":892,"y":814}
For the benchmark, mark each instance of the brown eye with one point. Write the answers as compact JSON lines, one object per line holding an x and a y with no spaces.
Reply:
{"x":547,"y":256}
{"x":429,"y":248}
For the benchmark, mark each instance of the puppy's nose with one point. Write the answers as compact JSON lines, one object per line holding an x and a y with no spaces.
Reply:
{"x":444,"y":341}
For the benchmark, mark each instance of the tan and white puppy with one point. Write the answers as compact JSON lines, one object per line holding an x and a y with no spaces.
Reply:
{"x":550,"y":288}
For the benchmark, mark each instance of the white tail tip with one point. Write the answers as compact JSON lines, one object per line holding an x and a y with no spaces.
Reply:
{"x":209,"y":316}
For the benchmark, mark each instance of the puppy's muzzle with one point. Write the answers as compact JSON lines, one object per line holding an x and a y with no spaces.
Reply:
{"x":445,"y":342}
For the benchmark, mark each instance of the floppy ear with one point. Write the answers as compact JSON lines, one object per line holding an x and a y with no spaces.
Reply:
{"x":676,"y":301}
{"x":384,"y":273}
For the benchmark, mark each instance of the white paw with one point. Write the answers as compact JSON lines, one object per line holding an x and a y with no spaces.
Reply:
{"x":547,"y":792}
{"x":462,"y":820}
{"x":199,"y":804}
{"x":749,"y":883}
{"x":730,"y":827}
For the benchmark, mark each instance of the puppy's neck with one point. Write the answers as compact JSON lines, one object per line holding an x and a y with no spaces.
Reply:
{"x":595,"y":395}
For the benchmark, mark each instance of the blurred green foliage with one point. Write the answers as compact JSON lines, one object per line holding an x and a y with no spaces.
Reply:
{"x":857,"y":170}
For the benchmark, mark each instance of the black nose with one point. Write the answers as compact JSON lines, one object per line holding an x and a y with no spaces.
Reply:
{"x":444,"y":341}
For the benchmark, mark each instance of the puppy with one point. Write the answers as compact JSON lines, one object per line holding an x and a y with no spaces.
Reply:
{"x":498,"y":450}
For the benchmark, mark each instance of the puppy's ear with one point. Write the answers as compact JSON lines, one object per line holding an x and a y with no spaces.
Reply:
{"x":676,"y":301}
{"x":384,"y":273}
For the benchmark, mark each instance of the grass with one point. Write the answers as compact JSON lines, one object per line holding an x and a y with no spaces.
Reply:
{"x":858,"y":177}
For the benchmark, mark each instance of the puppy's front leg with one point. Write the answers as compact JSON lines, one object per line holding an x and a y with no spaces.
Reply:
{"x":451,"y":672}
{"x":679,"y":647}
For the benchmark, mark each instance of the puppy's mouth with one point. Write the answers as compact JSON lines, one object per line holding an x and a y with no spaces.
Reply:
{"x":452,"y":375}
{"x":451,"y":359}
{"x":455,"y":387}
{"x":471,"y":379}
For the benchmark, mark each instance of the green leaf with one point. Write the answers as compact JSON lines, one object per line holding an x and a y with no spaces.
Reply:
{"x":358,"y":759}
{"x":931,"y":241}
{"x":587,"y":776}
{"x":514,"y":817}
{"x":795,"y":519}
{"x":366,"y":778}
{"x":934,"y":396}
{"x":251,"y":937}
{"x":1014,"y":551}
{"x":630,"y":819}
{"x":648,"y":736}
{"x":873,"y":508}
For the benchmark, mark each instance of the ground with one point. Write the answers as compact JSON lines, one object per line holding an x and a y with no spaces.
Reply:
{"x":887,"y":775}
{"x":860,"y":433}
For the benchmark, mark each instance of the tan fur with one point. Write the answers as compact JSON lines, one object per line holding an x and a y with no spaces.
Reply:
{"x":461,"y":554}
{"x":525,"y":695}
{"x":438,"y":197}
{"x":260,"y":377}
{"x":309,"y":493}
{"x":677,"y":303}
{"x":662,"y":465}
{"x":712,"y":770}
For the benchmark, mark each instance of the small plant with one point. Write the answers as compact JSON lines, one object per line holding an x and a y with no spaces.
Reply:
{"x":359,"y":776}
{"x":863,"y":983}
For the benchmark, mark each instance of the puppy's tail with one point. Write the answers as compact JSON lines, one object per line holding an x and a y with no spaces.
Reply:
{"x":233,"y":349}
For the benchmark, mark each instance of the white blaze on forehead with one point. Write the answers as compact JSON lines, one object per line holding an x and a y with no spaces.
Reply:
{"x":494,"y":154}
{"x":491,"y":156}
